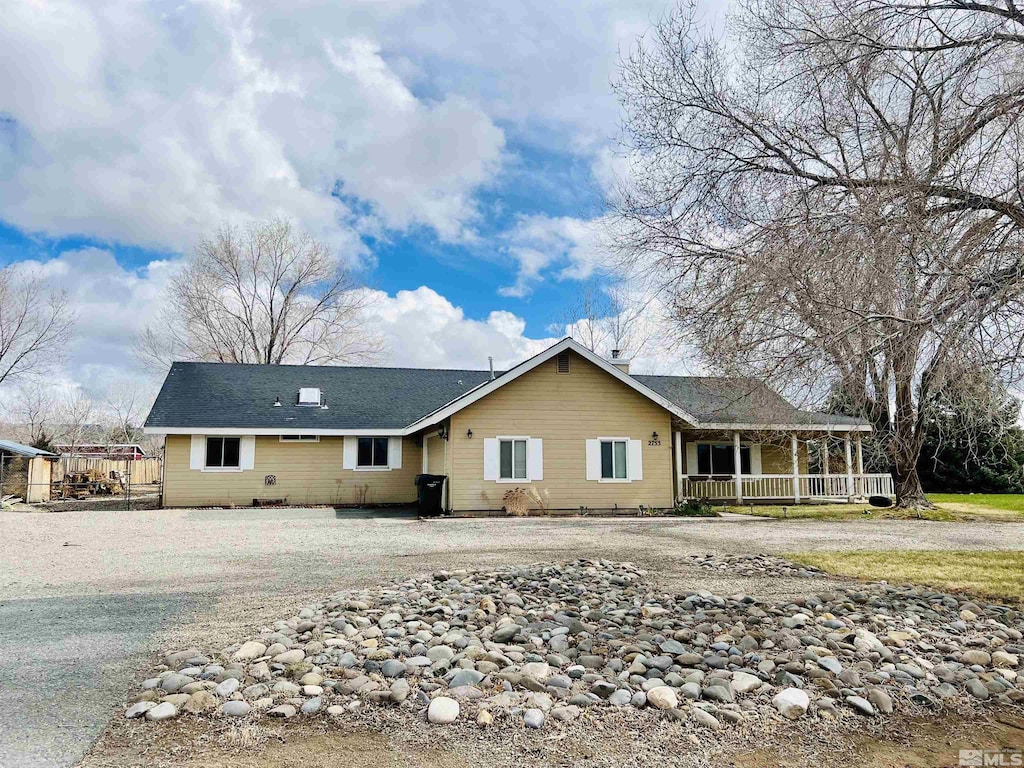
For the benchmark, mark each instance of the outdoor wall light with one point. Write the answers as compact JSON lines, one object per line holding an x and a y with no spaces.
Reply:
{"x":442,"y":432}
{"x":654,"y":435}
{"x":469,"y":433}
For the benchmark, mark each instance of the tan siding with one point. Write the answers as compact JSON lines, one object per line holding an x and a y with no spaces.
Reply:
{"x":564,"y":411}
{"x":307,"y":473}
{"x":777,"y":460}
{"x":435,"y":455}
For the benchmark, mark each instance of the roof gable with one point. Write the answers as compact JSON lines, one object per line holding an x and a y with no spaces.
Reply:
{"x":526,"y":366}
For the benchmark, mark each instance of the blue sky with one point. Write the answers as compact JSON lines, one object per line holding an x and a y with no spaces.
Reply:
{"x":455,"y":154}
{"x":543,"y":183}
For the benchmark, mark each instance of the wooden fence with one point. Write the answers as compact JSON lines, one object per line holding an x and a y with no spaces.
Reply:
{"x":143,"y":471}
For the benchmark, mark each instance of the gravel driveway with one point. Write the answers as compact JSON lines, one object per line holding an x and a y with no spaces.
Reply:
{"x":110,"y":586}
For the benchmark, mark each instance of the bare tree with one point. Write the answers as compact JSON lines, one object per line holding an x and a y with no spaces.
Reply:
{"x":124,"y":409}
{"x":584,"y":318}
{"x":35,"y":323}
{"x":834,"y":202}
{"x":266,"y":294}
{"x":34,"y":408}
{"x":607,"y":317}
{"x":629,"y":327}
{"x":76,"y":420}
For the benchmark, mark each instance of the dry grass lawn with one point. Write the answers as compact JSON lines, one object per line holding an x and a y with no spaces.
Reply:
{"x":993,"y":575}
{"x":950,"y":508}
{"x":1003,"y":502}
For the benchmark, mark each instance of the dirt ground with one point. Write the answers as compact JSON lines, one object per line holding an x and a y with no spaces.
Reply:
{"x":618,"y":740}
{"x":238,"y":570}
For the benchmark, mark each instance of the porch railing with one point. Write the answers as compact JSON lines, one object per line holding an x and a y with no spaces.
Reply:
{"x":760,"y":487}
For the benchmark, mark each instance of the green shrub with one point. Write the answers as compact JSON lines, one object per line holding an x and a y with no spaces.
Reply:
{"x":694,"y":508}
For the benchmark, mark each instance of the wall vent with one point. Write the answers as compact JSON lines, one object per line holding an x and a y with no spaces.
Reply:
{"x":562,"y":362}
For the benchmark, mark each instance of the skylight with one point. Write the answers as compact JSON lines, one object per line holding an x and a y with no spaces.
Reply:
{"x":309,"y":396}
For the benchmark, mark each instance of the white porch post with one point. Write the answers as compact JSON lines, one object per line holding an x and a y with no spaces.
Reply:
{"x":795,"y":454}
{"x":679,"y":465}
{"x":849,"y":468}
{"x":860,"y":466}
{"x":737,"y":466}
{"x":825,"y":470}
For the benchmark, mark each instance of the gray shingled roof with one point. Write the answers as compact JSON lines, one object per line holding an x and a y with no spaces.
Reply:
{"x":227,"y":395}
{"x":723,"y":400}
{"x":231,"y":395}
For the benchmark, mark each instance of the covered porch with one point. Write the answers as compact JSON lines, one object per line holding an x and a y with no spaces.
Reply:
{"x":764,"y":465}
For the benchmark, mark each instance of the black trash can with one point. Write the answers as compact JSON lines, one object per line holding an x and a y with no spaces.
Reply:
{"x":430,"y":494}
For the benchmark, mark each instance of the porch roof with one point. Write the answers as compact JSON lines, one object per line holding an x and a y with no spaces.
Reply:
{"x":739,"y":403}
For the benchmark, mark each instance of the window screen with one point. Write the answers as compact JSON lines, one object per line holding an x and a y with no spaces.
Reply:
{"x":512,"y":460}
{"x":720,"y":459}
{"x":223,"y":452}
{"x":372,"y":452}
{"x":613,"y":459}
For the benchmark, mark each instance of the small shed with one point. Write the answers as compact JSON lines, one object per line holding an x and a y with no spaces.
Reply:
{"x":25,"y":471}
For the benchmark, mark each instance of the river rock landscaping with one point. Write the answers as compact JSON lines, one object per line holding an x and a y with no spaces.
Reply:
{"x":756,"y":565}
{"x":539,"y":645}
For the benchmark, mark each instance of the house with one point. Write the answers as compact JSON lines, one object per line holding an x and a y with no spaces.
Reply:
{"x":112,"y":451}
{"x":567,"y":426}
{"x":25,"y":471}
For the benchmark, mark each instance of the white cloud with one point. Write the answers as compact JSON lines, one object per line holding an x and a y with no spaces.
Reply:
{"x":147,"y":123}
{"x":423,"y":329}
{"x":572,"y":246}
{"x":150,"y":123}
{"x":111,"y":304}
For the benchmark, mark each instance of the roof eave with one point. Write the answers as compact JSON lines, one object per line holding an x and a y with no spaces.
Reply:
{"x":259,"y":431}
{"x":780,"y":427}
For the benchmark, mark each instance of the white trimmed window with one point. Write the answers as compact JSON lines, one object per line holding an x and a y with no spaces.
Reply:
{"x":512,"y":459}
{"x":372,"y":452}
{"x":223,"y":453}
{"x":613,"y":459}
{"x":218,"y":453}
